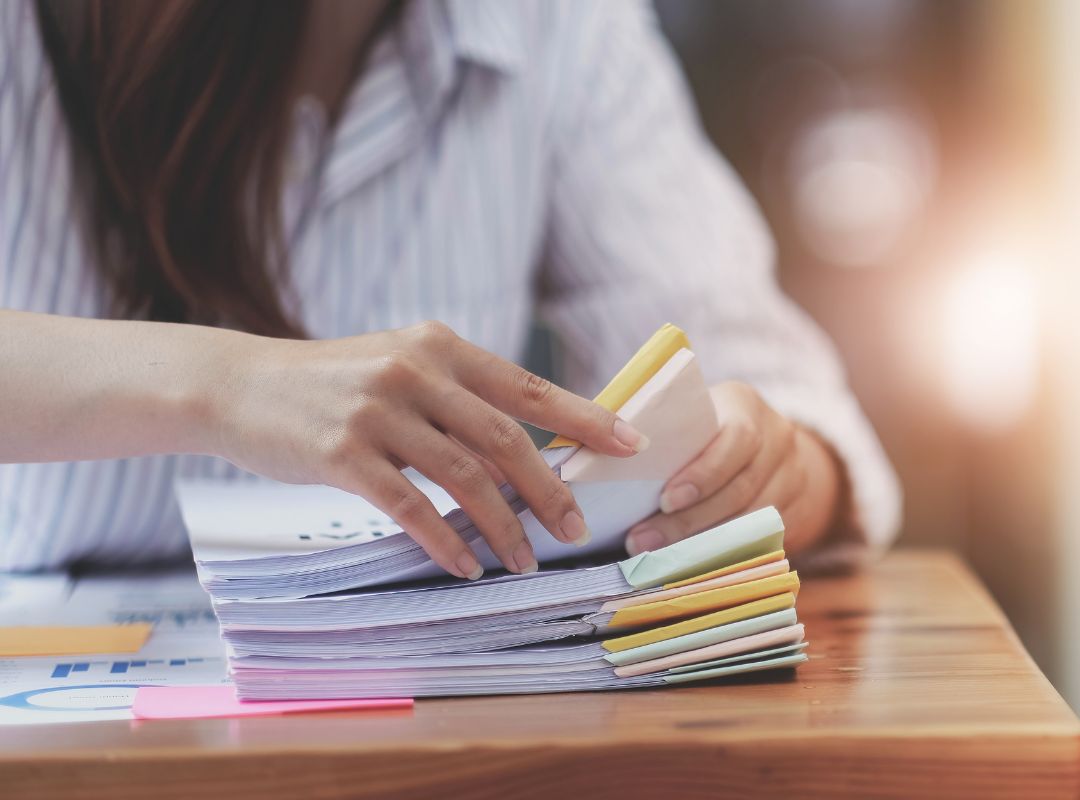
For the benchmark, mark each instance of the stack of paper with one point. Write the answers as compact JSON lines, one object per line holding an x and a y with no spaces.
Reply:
{"x":290,"y":570}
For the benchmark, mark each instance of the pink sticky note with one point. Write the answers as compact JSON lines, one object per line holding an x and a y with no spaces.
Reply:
{"x":192,"y":702}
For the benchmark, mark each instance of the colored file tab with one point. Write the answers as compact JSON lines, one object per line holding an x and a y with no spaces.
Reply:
{"x":768,"y":558}
{"x":72,"y":640}
{"x":204,"y":702}
{"x":645,"y":363}
{"x":702,"y":602}
{"x":754,"y":609}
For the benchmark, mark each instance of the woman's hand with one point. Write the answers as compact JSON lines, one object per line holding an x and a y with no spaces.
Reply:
{"x":351,"y":412}
{"x":758,"y":458}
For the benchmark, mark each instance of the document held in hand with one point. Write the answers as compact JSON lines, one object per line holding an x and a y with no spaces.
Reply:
{"x":292,"y":571}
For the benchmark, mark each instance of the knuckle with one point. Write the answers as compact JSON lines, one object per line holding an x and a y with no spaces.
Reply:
{"x":365,"y":413}
{"x":558,"y":497}
{"x":678,"y":527}
{"x":466,"y":473}
{"x":508,"y":438}
{"x":396,"y":370}
{"x":746,"y":392}
{"x":553,"y":501}
{"x":755,"y":440}
{"x":534,"y":390}
{"x":405,"y":506}
{"x":337,"y":450}
{"x":433,"y":333}
{"x":800,"y":484}
{"x":510,"y":530}
{"x":741,"y":490}
{"x":745,"y":431}
{"x":602,"y":419}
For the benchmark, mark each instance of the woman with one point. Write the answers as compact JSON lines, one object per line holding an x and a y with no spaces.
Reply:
{"x":225,"y":225}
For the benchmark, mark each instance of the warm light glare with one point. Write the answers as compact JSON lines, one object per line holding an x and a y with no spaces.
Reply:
{"x":861,"y":180}
{"x":990,"y":339}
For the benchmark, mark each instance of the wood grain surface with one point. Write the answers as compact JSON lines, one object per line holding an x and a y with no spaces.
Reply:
{"x":916,"y":687}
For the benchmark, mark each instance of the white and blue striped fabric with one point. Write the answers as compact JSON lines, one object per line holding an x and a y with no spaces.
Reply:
{"x":497,"y":159}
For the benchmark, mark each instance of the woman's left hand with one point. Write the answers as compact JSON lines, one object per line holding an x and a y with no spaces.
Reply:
{"x":759,"y":458}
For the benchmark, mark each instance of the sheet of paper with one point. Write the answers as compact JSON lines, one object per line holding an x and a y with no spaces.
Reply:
{"x":193,"y":702}
{"x":183,"y":648}
{"x":642,"y":366}
{"x":35,"y":691}
{"x":72,"y":640}
{"x":674,"y":410}
{"x":290,"y":519}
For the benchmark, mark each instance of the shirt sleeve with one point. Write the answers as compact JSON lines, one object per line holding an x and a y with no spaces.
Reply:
{"x":647,"y":224}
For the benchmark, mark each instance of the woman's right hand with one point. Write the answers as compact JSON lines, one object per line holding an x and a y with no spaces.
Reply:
{"x":351,"y":412}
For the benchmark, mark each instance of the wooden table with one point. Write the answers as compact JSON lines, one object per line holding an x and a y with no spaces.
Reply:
{"x":916,"y":687}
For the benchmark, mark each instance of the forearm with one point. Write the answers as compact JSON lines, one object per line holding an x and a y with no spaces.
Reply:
{"x":75,"y":389}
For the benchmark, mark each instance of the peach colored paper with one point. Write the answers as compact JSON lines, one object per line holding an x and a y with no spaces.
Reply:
{"x":747,"y":644}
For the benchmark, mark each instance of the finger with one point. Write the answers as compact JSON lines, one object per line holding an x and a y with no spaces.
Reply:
{"x":536,"y":400}
{"x":732,"y":499}
{"x":496,"y":474}
{"x":460,"y":472}
{"x":783,"y":489}
{"x":723,"y":458}
{"x":392,"y":493}
{"x":501,"y":439}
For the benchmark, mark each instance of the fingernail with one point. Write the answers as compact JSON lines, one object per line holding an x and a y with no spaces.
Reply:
{"x":524,"y":558}
{"x":644,"y":540}
{"x":679,"y":497}
{"x":630,"y":436}
{"x":468,"y":566}
{"x":574,"y":529}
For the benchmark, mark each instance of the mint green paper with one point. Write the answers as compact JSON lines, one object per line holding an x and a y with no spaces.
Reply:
{"x":709,"y":636}
{"x":749,"y":536}
{"x":735,"y":669}
{"x":722,"y":662}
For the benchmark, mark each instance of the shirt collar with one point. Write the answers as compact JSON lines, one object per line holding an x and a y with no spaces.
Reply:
{"x":411,"y":73}
{"x":435,"y":35}
{"x":488,"y":32}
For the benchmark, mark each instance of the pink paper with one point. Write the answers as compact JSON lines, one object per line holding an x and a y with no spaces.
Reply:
{"x":193,"y":702}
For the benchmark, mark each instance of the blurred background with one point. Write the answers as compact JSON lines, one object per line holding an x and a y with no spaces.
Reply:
{"x":915,"y":159}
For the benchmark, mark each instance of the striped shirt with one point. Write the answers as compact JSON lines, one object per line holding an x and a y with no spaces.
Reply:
{"x":496,"y":160}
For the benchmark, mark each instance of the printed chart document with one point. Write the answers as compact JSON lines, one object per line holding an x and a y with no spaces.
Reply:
{"x":183,"y":646}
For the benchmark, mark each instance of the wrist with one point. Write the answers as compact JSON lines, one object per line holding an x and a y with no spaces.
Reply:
{"x":209,"y":388}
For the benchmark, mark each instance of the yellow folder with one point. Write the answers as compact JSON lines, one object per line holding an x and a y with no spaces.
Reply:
{"x":646,"y":362}
{"x":702,"y":602}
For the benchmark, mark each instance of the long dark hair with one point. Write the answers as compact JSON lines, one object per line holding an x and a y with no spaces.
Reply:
{"x":178,"y":112}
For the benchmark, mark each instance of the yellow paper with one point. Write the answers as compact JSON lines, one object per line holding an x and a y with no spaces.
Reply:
{"x":702,"y":602}
{"x":65,"y":640}
{"x":750,"y":563}
{"x":646,"y":362}
{"x":757,"y":608}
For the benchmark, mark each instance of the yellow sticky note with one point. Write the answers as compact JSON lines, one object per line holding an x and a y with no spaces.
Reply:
{"x":72,"y":640}
{"x":757,"y":608}
{"x":645,"y":363}
{"x":701,"y":602}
